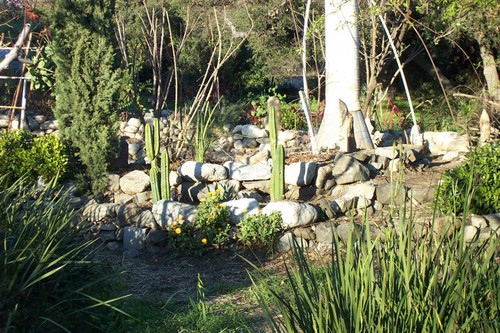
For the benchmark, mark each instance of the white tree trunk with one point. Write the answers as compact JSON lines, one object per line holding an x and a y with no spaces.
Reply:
{"x":342,"y":70}
{"x":490,"y":71}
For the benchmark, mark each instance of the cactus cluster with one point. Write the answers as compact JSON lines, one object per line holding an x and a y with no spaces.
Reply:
{"x":160,"y":185}
{"x":278,"y":157}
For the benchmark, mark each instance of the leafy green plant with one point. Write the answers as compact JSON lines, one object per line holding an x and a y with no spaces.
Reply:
{"x":210,"y":229}
{"x":47,"y":274}
{"x":203,"y":130}
{"x":259,"y":231}
{"x":22,"y":154}
{"x":290,"y":117}
{"x":388,"y":283}
{"x":483,"y":169}
{"x":212,"y":223}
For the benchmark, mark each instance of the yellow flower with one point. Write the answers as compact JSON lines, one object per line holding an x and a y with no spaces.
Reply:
{"x":219,"y":229}
{"x":210,"y":217}
{"x":178,"y":230}
{"x":218,"y":190}
{"x":244,"y":210}
{"x":222,"y":206}
{"x":202,"y":200}
{"x":216,"y":246}
{"x":228,"y":219}
{"x":209,"y":193}
{"x":181,"y":217}
{"x":204,"y":240}
{"x":260,"y":211}
{"x":214,"y":197}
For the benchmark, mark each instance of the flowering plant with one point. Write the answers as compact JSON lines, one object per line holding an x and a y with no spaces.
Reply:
{"x":212,"y":224}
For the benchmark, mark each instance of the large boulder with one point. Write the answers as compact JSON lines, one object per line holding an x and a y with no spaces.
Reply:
{"x":202,"y":172}
{"x":253,"y":131}
{"x":134,"y":182}
{"x":240,"y":207}
{"x":300,"y":173}
{"x":294,"y":214}
{"x":348,"y":170}
{"x":439,"y":142}
{"x":166,"y":212}
{"x":246,"y":172}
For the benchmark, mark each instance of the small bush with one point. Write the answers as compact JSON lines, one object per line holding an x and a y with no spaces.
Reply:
{"x":482,"y":170}
{"x":209,"y":231}
{"x":259,"y":231}
{"x":22,"y":154}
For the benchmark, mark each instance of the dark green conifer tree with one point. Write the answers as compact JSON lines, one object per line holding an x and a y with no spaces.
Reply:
{"x":88,"y":83}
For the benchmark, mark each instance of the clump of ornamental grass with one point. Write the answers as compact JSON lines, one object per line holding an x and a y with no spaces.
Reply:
{"x":394,"y":282}
{"x":48,"y":281}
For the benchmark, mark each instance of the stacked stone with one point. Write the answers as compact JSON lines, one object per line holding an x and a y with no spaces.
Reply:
{"x":36,"y":123}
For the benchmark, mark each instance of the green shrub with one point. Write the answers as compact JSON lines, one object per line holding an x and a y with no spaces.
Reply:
{"x":22,"y":154}
{"x":291,"y":119}
{"x":209,"y":231}
{"x":483,"y":168}
{"x":259,"y":231}
{"x":88,"y":83}
{"x":47,"y":281}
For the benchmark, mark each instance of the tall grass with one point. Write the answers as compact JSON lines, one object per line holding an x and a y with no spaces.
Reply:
{"x":47,"y":280}
{"x":390,"y":283}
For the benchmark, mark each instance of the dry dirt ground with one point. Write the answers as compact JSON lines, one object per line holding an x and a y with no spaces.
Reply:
{"x":161,"y":276}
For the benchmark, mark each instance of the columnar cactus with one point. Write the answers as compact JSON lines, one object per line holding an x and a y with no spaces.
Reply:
{"x":278,"y":157}
{"x":160,"y":187}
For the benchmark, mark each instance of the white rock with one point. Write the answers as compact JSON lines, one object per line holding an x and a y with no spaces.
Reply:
{"x":439,"y":142}
{"x":50,"y":125}
{"x":300,"y":173}
{"x":136,"y":122}
{"x":294,"y":214}
{"x":389,"y":152}
{"x":196,"y":171}
{"x":245,"y":172}
{"x":286,"y":136}
{"x":253,"y":131}
{"x":166,"y":212}
{"x":241,"y":207}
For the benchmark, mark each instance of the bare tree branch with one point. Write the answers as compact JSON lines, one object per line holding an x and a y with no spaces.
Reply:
{"x":14,"y":52}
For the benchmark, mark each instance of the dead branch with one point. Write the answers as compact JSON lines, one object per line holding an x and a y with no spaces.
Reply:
{"x":14,"y":52}
{"x":495,"y":104}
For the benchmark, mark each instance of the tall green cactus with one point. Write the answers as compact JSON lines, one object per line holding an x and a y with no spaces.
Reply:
{"x":160,"y":185}
{"x":278,"y":157}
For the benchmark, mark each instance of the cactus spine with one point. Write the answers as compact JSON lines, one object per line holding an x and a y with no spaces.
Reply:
{"x":278,"y":157}
{"x":160,"y":186}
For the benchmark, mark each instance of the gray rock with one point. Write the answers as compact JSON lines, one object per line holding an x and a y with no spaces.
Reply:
{"x":286,"y":242}
{"x":108,"y":227}
{"x":49,"y":125}
{"x":250,"y":194}
{"x":304,"y":233}
{"x":249,"y":143}
{"x":439,"y":142}
{"x":293,"y":214}
{"x":143,"y":197}
{"x":99,"y":212}
{"x":478,"y":221}
{"x":238,"y":145}
{"x":386,"y":192}
{"x":134,"y":239}
{"x":237,"y":129}
{"x":107,"y":236}
{"x":422,"y":195}
{"x":470,"y":233}
{"x":346,"y":230}
{"x":193,"y":192}
{"x":493,"y":222}
{"x":196,"y":171}
{"x":389,"y":152}
{"x":174,"y":178}
{"x":4,"y":120}
{"x":123,"y":199}
{"x":286,"y":136}
{"x":113,"y":182}
{"x":241,"y":207}
{"x":253,"y":132}
{"x":128,"y":215}
{"x":147,"y":220}
{"x":259,"y":185}
{"x":156,"y":237}
{"x":323,"y":174}
{"x":166,"y":212}
{"x":324,"y":232}
{"x":259,"y":157}
{"x":361,"y":190}
{"x":245,"y":172}
{"x":348,"y":170}
{"x":361,"y":156}
{"x":39,"y":118}
{"x":134,"y":182}
{"x":300,"y":173}
{"x":113,"y":246}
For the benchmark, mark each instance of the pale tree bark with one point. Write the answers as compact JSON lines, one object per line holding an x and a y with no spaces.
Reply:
{"x":342,"y":75}
{"x":490,"y":71}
